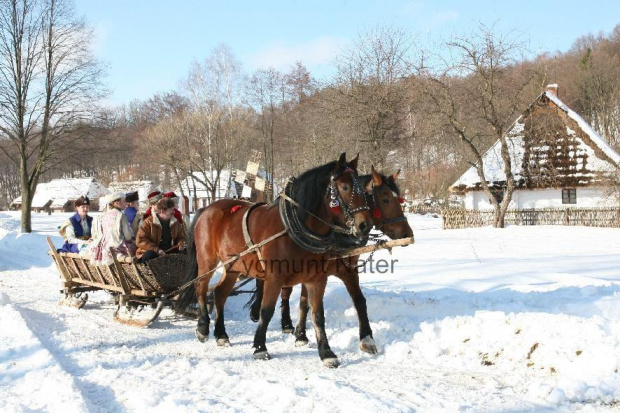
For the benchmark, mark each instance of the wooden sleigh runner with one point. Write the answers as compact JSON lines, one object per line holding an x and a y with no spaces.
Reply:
{"x":141,"y":290}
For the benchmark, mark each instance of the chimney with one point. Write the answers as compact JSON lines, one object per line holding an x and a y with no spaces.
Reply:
{"x":553,"y":88}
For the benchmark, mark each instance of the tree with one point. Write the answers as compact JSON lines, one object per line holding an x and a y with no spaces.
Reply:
{"x":371,"y":94}
{"x":49,"y":82}
{"x":214,"y":87}
{"x":598,"y":83}
{"x":266,"y":93}
{"x":478,"y":91}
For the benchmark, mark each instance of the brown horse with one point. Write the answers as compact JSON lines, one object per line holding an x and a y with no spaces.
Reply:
{"x":383,"y":197}
{"x":323,"y":201}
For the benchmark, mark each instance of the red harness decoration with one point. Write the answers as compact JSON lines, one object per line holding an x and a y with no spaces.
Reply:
{"x":335,"y":209}
{"x":376,"y":213}
{"x":235,"y":209}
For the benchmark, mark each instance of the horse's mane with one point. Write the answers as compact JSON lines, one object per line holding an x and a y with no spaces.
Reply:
{"x":387,"y":180}
{"x":310,"y":187}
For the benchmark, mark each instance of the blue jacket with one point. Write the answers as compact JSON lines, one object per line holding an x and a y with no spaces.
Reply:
{"x":131,"y":214}
{"x":76,"y":222}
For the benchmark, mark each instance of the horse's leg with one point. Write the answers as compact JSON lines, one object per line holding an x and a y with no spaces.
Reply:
{"x":301,"y":339}
{"x":351,"y":280}
{"x":202,"y":291}
{"x":287,"y":323}
{"x":221,"y":293}
{"x":271,"y":291}
{"x":258,"y":297}
{"x":316,"y":292}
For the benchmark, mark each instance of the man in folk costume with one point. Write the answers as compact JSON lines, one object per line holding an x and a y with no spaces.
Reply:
{"x":183,"y":219}
{"x":132,"y":210}
{"x":112,"y":231}
{"x":77,"y":229}
{"x":160,"y":233}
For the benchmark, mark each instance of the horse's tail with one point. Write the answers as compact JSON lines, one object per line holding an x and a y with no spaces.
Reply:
{"x":187,"y":297}
{"x":255,"y":301}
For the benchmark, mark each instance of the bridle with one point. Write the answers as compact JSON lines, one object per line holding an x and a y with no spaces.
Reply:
{"x":336,"y":202}
{"x":377,"y":213}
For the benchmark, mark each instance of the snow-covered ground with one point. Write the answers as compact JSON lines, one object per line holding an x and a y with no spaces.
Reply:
{"x":519,"y":319}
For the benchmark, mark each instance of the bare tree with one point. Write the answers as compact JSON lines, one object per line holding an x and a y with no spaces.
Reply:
{"x":48,"y":83}
{"x":478,"y":91}
{"x":598,"y":83}
{"x":214,"y":87}
{"x":266,"y":94}
{"x":371,"y":95}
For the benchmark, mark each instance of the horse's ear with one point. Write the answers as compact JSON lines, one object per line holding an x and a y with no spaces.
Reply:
{"x":376,"y":177}
{"x":395,"y":174}
{"x":343,"y":159}
{"x":353,"y":162}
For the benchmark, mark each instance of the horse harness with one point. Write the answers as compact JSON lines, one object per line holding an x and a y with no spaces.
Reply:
{"x":377,"y":213}
{"x":339,"y":239}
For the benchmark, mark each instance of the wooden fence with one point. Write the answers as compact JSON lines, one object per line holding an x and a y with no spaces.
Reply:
{"x":590,"y":217}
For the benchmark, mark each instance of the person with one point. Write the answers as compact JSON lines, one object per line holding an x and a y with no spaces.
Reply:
{"x":112,"y":230}
{"x":132,"y":210}
{"x":76,"y":229}
{"x":160,"y":233}
{"x":177,"y":213}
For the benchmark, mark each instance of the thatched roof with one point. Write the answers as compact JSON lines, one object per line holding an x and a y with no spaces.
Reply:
{"x":62,"y":190}
{"x":550,"y":146}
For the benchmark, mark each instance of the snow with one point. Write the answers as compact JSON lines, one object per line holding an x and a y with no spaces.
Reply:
{"x":518,"y":319}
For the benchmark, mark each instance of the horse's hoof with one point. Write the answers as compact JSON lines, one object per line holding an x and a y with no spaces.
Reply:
{"x":300,"y":342}
{"x":287,"y":329}
{"x":201,"y":337}
{"x":367,"y":345}
{"x":331,"y":362}
{"x":262,"y":355}
{"x":223,"y":342}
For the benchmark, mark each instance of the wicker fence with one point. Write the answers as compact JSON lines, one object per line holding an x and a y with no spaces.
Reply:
{"x":591,"y":217}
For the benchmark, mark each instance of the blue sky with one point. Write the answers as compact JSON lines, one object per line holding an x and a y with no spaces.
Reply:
{"x":150,"y":44}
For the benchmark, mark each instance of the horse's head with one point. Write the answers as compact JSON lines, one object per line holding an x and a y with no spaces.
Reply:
{"x":385,"y":204}
{"x":347,"y":201}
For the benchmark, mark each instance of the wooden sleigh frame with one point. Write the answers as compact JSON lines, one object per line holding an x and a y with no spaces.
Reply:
{"x":135,"y":286}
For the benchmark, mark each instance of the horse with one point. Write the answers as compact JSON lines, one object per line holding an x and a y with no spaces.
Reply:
{"x":383,"y":197}
{"x":294,"y":240}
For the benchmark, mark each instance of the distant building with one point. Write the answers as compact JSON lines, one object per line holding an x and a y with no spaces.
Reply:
{"x":143,"y":187}
{"x":59,"y":195}
{"x":558,"y":161}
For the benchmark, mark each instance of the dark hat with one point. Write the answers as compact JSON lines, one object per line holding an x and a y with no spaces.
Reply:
{"x":132,"y":196}
{"x":154,"y":197}
{"x":83,"y":200}
{"x":170,"y":194}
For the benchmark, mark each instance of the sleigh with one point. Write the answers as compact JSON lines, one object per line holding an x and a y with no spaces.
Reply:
{"x":140,"y":290}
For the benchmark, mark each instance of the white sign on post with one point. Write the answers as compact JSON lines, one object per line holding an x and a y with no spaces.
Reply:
{"x":252,"y":168}
{"x":240,"y":177}
{"x":259,"y":184}
{"x":247,"y":192}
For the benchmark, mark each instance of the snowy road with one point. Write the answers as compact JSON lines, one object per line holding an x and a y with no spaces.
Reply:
{"x":521,"y":319}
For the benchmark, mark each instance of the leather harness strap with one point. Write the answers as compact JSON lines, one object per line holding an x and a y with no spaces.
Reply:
{"x":246,"y":233}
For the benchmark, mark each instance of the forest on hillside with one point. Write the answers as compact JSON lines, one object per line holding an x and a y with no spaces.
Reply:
{"x":397,"y":105}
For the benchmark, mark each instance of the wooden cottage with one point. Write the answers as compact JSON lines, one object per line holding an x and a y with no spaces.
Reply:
{"x":59,"y":195}
{"x":558,"y":161}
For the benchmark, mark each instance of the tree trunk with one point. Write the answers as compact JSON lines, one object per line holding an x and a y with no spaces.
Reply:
{"x":26,"y":220}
